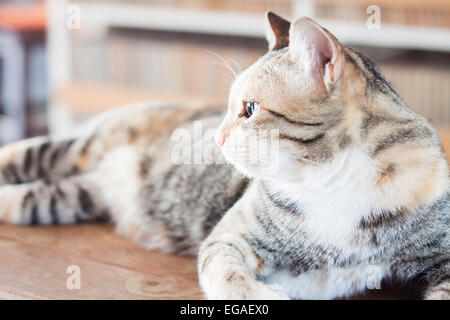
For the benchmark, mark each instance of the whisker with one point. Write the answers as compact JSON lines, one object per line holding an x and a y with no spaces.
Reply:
{"x":307,"y":160}
{"x":225,"y":62}
{"x":240,"y":69}
{"x":226,"y":76}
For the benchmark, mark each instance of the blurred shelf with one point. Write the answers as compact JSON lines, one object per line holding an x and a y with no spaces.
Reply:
{"x":88,"y":99}
{"x":77,"y":102}
{"x":391,"y":36}
{"x":252,"y":25}
{"x":441,"y":4}
{"x":247,"y":26}
{"x":22,"y":80}
{"x":23,"y":17}
{"x":172,"y":19}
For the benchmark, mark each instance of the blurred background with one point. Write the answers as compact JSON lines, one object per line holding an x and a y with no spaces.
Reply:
{"x":62,"y":61}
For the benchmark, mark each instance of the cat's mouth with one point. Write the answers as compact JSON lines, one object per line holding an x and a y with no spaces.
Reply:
{"x":252,"y":161}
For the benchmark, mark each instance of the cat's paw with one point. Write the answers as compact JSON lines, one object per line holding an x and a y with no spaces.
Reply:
{"x":440,"y":292}
{"x":268,"y":292}
{"x":253,"y":290}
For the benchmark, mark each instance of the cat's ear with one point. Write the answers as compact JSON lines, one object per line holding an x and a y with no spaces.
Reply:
{"x":277,"y":31}
{"x":317,"y":51}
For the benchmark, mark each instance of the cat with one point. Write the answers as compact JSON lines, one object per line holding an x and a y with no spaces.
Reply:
{"x":360,"y":186}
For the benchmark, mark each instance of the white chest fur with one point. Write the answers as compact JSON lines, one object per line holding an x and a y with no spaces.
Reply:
{"x":334,"y":196}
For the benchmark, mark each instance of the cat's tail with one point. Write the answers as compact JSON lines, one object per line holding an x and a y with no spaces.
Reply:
{"x":81,"y":177}
{"x":70,"y":200}
{"x":68,"y":180}
{"x":50,"y":180}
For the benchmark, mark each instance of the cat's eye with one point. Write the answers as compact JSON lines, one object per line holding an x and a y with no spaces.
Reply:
{"x":249,"y":108}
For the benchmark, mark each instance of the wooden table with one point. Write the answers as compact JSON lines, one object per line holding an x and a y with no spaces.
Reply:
{"x":34,"y":263}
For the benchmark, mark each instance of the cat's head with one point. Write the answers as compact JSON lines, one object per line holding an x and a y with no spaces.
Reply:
{"x":295,"y":99}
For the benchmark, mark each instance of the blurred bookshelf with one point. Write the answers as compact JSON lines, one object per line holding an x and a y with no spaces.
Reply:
{"x":167,"y":50}
{"x":23,"y":90}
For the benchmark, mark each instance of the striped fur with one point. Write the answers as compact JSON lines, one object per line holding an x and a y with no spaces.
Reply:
{"x":361,"y":182}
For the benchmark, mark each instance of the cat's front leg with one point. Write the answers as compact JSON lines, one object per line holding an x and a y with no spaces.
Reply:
{"x":438,"y":279}
{"x":227,"y":267}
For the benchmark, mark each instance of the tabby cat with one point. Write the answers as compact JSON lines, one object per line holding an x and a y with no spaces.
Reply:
{"x":361,"y":181}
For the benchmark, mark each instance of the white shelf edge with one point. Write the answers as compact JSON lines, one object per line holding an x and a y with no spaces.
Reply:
{"x":252,"y":25}
{"x":173,"y":19}
{"x":390,"y":35}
